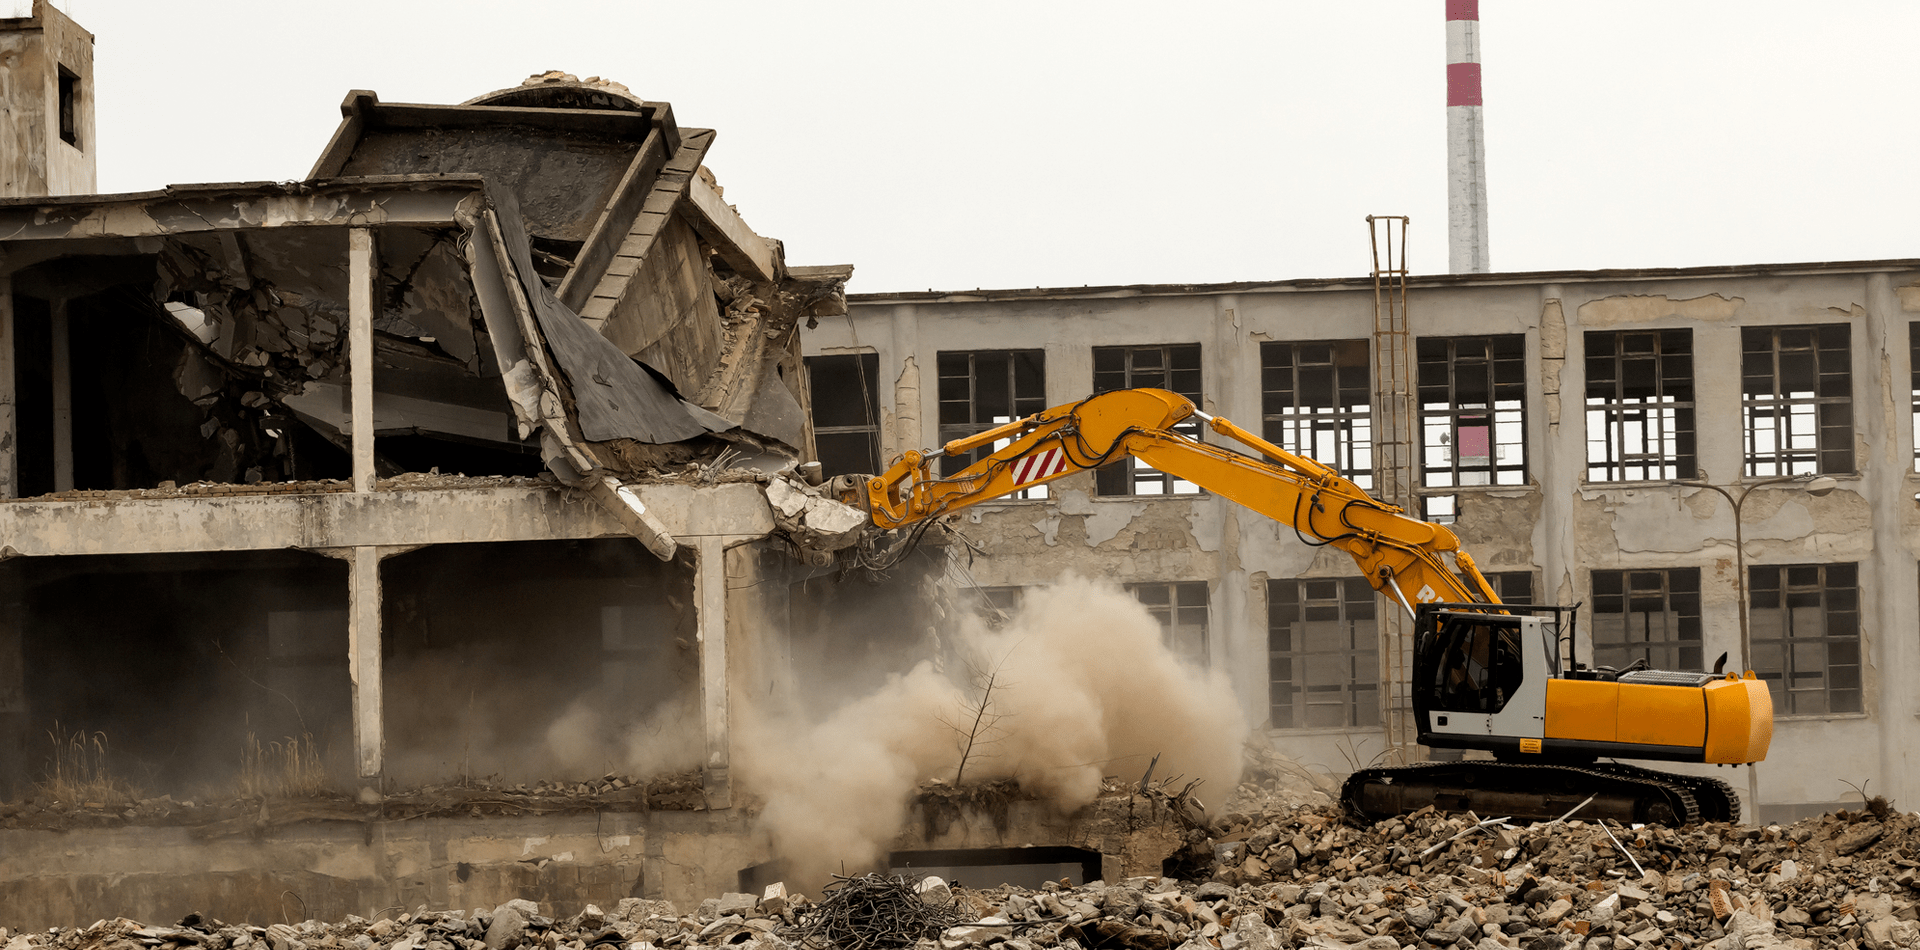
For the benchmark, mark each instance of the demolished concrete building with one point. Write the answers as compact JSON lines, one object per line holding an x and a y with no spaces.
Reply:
{"x":450,"y":460}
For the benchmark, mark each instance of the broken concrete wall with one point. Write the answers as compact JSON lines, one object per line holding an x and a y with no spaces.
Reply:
{"x":1558,"y":526}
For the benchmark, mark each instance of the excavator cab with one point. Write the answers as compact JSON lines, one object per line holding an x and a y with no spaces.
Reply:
{"x":1480,"y":674}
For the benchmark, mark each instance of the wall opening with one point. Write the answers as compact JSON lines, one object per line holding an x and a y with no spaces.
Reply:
{"x":557,"y":660}
{"x":174,"y":668}
{"x":991,"y":867}
{"x":69,"y":107}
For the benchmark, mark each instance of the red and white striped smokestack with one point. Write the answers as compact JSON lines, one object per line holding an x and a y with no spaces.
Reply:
{"x":1466,"y":143}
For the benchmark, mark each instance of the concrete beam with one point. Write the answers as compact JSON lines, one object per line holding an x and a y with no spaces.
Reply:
{"x":183,"y":209}
{"x":343,"y":519}
{"x":360,"y":352}
{"x":746,"y":252}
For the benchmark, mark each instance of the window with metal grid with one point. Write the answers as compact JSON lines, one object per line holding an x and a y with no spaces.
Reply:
{"x":981,"y":389}
{"x":1640,"y":405}
{"x":1913,"y":353}
{"x":1180,"y":607}
{"x":1805,"y":623}
{"x":1174,"y":367}
{"x":1514,"y":587}
{"x":1651,"y":615}
{"x":1323,"y":653}
{"x":1796,"y":386}
{"x":844,"y":393}
{"x":1316,"y":400}
{"x":1473,"y":393}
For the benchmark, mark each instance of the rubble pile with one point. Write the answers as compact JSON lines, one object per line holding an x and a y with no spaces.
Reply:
{"x":1285,"y":878}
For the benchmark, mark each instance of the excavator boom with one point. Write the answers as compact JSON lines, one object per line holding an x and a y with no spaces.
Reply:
{"x":1402,"y":557}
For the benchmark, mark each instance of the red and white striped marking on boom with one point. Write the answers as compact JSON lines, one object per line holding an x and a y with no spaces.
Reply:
{"x":1039,"y":465}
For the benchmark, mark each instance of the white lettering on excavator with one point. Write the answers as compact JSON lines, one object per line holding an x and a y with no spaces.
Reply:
{"x":1426,"y":594}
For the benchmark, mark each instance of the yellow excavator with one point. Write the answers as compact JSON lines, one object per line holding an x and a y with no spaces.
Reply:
{"x":1498,"y":678}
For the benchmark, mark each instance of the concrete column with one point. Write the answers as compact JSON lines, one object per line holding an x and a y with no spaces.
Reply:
{"x":905,"y":373}
{"x":62,"y":397}
{"x":360,"y":276}
{"x":9,"y":424}
{"x":1561,"y":466}
{"x":1892,"y":590}
{"x":710,"y":619}
{"x":363,"y":660}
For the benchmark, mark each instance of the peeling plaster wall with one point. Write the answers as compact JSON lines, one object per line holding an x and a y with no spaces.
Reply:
{"x":1558,"y":526}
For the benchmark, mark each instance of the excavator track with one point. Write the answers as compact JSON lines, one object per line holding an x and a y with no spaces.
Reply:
{"x":1539,"y":791}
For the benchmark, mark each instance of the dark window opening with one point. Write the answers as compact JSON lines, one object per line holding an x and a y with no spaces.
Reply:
{"x":982,"y":868}
{"x":844,"y":392}
{"x":1640,"y":406}
{"x":1316,"y":401}
{"x":1323,"y":653}
{"x":1174,"y":367}
{"x":1514,"y":587}
{"x":1796,"y":386}
{"x":1805,"y":620}
{"x":1647,"y":616}
{"x":1473,"y":394}
{"x":981,"y":389}
{"x":69,"y":107}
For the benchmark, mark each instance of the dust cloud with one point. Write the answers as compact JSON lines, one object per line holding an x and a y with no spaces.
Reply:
{"x":1082,"y":688}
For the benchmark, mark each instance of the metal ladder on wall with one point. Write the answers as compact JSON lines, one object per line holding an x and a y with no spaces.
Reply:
{"x":1395,"y":461}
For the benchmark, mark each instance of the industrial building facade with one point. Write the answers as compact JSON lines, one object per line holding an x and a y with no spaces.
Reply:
{"x":1545,"y":416}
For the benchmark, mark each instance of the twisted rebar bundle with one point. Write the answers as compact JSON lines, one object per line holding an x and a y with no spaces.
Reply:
{"x":875,"y":912}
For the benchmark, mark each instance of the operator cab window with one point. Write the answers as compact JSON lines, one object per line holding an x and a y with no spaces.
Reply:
{"x":1476,"y":666}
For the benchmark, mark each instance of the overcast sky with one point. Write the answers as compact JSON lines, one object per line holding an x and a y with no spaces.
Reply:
{"x":1019,"y":144}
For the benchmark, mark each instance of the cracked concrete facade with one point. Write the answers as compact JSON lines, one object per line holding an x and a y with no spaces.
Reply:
{"x":1558,"y":527}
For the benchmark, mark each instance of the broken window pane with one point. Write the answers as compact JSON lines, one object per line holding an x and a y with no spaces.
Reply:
{"x":1796,"y":399}
{"x":1316,"y":401}
{"x":1640,"y":405}
{"x":1805,"y":623}
{"x":981,"y":389}
{"x":1174,"y":367}
{"x":1181,"y":610}
{"x":1651,"y":615}
{"x":846,"y":412}
{"x":1472,"y":410}
{"x":1323,"y":653}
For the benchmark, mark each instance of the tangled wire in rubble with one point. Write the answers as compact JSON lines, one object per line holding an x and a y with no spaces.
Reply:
{"x":875,"y":912}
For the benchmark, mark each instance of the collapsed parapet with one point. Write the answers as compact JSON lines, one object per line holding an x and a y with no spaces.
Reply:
{"x":546,"y":279}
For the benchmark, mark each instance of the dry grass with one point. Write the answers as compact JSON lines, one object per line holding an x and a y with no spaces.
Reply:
{"x":286,"y":769}
{"x":79,"y":773}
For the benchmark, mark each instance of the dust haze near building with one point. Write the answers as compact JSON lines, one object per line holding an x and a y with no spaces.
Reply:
{"x":1083,"y":687}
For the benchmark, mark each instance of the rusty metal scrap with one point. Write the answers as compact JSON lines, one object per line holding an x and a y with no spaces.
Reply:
{"x":876,"y":912}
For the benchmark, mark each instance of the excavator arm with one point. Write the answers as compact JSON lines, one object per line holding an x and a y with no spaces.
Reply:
{"x":1403,"y":557}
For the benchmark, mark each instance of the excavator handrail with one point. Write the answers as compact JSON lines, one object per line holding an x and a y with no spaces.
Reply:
{"x":1390,"y":546}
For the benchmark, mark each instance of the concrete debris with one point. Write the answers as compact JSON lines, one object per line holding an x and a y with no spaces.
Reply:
{"x":1543,"y":886}
{"x":814,"y":520}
